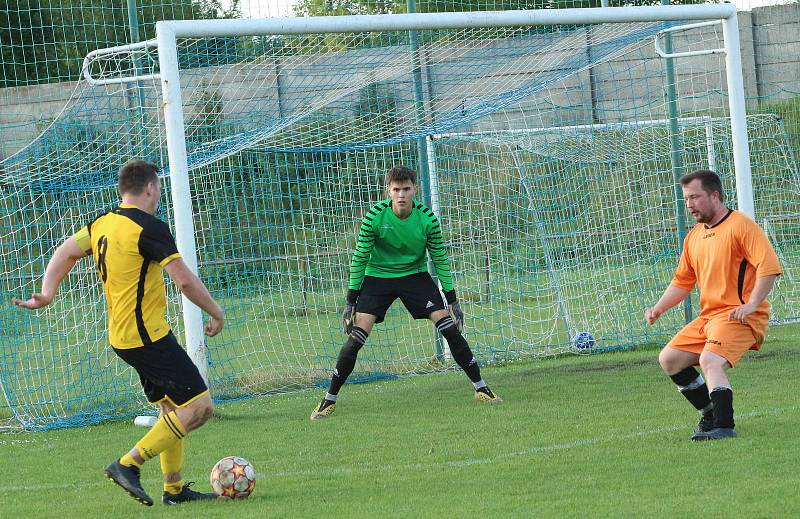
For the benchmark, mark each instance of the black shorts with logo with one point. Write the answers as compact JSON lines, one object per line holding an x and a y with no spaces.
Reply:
{"x":418,"y":292}
{"x":165,"y":370}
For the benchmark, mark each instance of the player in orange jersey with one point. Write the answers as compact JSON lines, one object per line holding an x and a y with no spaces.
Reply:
{"x":729,"y":258}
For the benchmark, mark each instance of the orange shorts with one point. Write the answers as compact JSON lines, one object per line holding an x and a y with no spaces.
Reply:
{"x":728,"y":339}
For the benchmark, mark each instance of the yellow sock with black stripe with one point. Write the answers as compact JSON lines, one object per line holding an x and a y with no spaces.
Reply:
{"x":163,"y":435}
{"x":129,"y":461}
{"x":171,"y":463}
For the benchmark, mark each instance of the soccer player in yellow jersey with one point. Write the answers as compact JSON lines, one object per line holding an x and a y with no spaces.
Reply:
{"x":729,"y":258}
{"x":131,"y":248}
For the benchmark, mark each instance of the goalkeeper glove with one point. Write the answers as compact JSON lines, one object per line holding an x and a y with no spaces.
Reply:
{"x":457,"y":315}
{"x":455,"y":309}
{"x":349,"y":312}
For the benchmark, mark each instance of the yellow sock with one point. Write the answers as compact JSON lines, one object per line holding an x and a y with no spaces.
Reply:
{"x":129,"y":461}
{"x":163,"y":435}
{"x":171,"y":463}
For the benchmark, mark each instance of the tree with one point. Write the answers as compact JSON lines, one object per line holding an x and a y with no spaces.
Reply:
{"x":344,"y":7}
{"x":45,"y":43}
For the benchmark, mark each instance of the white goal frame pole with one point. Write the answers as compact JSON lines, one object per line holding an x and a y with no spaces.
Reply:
{"x":181,"y":193}
{"x":168,"y":31}
{"x":736,"y":106}
{"x":441,"y":348}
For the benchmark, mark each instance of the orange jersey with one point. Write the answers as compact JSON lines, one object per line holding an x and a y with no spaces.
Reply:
{"x":724,"y":261}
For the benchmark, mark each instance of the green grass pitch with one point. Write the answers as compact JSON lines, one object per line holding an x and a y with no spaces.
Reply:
{"x":577,"y":436}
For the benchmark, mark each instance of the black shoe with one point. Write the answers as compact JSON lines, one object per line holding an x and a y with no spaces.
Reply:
{"x":186,"y":494}
{"x":718,"y":433}
{"x":128,"y":479}
{"x":705,"y":425}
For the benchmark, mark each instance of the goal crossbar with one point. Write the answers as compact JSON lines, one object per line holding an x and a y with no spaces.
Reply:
{"x":427,"y":21}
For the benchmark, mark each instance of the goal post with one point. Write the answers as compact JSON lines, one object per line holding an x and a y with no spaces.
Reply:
{"x":169,"y":31}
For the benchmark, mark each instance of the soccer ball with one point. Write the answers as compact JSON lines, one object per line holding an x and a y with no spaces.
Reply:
{"x":233,"y":478}
{"x":583,"y":341}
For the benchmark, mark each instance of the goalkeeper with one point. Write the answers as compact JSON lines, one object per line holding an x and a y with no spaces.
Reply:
{"x":389,"y":263}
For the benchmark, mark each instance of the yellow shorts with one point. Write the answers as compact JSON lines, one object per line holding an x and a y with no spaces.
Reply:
{"x":728,"y":339}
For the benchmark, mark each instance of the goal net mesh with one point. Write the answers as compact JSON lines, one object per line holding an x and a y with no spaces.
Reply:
{"x":546,"y":152}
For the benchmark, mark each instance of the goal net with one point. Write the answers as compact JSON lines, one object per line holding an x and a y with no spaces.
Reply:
{"x":546,"y":151}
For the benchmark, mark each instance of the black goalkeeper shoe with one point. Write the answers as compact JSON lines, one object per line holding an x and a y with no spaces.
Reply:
{"x":128,"y":479}
{"x":717,"y":433}
{"x":485,"y":394}
{"x":324,"y":410}
{"x":705,"y":425}
{"x":185,"y":495}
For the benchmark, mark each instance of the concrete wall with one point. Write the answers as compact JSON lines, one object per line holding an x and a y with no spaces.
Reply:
{"x":775,"y":39}
{"x":769,"y":37}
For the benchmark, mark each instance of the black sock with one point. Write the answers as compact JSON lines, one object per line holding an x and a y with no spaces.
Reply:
{"x":347,"y":359}
{"x":459,"y":348}
{"x":723,"y":406}
{"x":692,"y":385}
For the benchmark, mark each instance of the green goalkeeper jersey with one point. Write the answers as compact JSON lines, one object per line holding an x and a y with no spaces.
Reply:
{"x":390,"y":247}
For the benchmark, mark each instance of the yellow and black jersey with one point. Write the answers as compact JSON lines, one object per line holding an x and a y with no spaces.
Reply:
{"x":130,"y":247}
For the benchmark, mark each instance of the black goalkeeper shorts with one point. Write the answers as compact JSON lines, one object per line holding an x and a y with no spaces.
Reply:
{"x":166,"y":371}
{"x":418,"y":292}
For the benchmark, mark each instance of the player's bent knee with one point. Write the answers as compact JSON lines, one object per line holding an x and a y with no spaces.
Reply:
{"x":712,"y":362}
{"x":666,"y":361}
{"x":208,"y":412}
{"x":197,"y":413}
{"x":201,"y":415}
{"x":438,"y":315}
{"x":672,"y":361}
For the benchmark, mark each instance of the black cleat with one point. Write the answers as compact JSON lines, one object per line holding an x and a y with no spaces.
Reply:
{"x":705,"y":425}
{"x":718,"y":433}
{"x":128,"y":479}
{"x":185,"y":495}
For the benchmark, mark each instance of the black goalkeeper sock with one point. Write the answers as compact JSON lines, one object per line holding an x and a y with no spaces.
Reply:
{"x":723,"y":407}
{"x":692,"y":385}
{"x":459,"y":348}
{"x":347,"y":359}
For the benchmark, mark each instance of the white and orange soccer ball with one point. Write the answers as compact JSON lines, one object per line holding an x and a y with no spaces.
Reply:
{"x":233,"y":478}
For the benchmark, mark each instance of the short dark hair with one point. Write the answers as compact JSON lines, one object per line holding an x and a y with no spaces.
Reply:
{"x":708,"y":179}
{"x":401,"y":174}
{"x":134,"y":175}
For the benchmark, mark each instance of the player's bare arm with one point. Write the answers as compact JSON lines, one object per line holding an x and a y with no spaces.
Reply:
{"x":672,"y":296}
{"x":760,"y":291}
{"x":194,"y":289}
{"x":62,"y":262}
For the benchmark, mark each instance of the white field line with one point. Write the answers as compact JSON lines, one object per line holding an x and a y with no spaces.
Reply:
{"x":533,"y":451}
{"x":366,"y":469}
